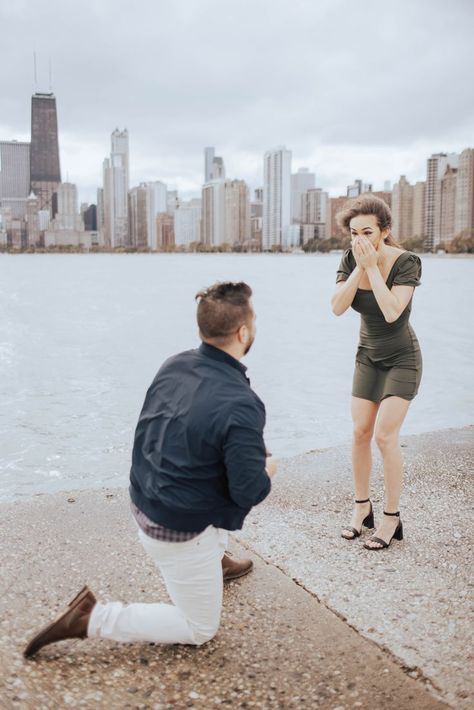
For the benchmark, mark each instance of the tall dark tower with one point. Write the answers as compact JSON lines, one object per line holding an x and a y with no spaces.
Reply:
{"x":45,"y":172}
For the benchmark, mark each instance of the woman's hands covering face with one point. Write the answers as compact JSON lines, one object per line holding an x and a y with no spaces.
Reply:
{"x":365,"y":254}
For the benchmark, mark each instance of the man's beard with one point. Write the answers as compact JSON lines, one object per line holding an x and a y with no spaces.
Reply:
{"x":249,"y":346}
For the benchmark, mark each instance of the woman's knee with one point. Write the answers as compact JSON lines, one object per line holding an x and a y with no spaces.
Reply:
{"x":386,"y":440}
{"x":362,"y":433}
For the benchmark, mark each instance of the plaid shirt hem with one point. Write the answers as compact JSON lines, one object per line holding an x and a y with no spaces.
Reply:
{"x":159,"y":532}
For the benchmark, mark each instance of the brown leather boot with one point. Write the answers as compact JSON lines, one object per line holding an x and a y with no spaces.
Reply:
{"x":232,"y":569}
{"x":69,"y":624}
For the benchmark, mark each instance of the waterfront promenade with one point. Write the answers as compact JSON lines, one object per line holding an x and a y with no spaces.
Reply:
{"x":320,"y":623}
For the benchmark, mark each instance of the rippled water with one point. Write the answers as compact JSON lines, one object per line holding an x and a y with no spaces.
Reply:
{"x":81,"y":337}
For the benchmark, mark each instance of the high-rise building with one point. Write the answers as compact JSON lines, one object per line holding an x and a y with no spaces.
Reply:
{"x":138,"y":217}
{"x":116,"y":182}
{"x":213,"y":166}
{"x":187,"y":221}
{"x":156,"y":203}
{"x":256,"y":219}
{"x":402,"y":209}
{"x":165,"y":230}
{"x":67,"y":226}
{"x":237,"y":212}
{"x":301,"y":182}
{"x":218,"y":169}
{"x":314,"y":205}
{"x":172,"y":199}
{"x":208,"y":160}
{"x":445,"y":207}
{"x":276,"y":197}
{"x":418,"y":209}
{"x":464,"y":213}
{"x":14,"y":177}
{"x":358,"y":188}
{"x":32,"y":221}
{"x":45,"y":171}
{"x":213,"y":213}
{"x":387,"y":186}
{"x":435,"y":170}
{"x":90,"y":218}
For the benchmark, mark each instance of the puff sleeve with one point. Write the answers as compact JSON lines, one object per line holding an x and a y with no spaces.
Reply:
{"x":408,"y":272}
{"x":346,"y":267}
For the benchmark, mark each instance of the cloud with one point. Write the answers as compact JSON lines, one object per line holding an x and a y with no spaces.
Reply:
{"x":336,"y":81}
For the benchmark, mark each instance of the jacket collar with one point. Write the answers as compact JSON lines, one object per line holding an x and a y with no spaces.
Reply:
{"x":218,"y":354}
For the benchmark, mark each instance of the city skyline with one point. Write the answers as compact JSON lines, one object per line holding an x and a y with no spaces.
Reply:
{"x":311,"y":89}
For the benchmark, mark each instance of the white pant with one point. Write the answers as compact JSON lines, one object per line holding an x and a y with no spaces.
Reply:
{"x":192,"y":572}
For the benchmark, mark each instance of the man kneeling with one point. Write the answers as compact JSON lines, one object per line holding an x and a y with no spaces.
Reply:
{"x":199,"y":465}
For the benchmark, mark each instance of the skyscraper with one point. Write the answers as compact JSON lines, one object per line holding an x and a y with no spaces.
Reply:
{"x":45,"y":172}
{"x":358,"y":188}
{"x":165,"y":230}
{"x":446,"y":206}
{"x":214,"y":168}
{"x":237,"y":212}
{"x":418,"y":209}
{"x":276,"y":197}
{"x":14,"y":177}
{"x":314,"y":205}
{"x":116,"y":182}
{"x":435,"y":170}
{"x":156,"y":203}
{"x":464,"y":214}
{"x":138,"y":217}
{"x":301,"y":182}
{"x":67,"y":227}
{"x":213,"y":213}
{"x":402,"y":209}
{"x":208,"y":159}
{"x":187,"y":218}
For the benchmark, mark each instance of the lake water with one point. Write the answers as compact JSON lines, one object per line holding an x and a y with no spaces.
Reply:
{"x":81,"y":337}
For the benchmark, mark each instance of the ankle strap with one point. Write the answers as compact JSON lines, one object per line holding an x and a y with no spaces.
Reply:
{"x":397,"y":514}
{"x":367,"y":500}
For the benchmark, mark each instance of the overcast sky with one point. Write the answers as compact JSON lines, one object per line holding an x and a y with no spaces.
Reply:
{"x":363,"y":89}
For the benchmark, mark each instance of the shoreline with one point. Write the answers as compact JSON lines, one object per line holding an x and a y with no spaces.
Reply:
{"x":86,"y":252}
{"x":101,"y":485}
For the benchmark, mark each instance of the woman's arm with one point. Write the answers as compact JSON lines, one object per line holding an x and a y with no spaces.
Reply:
{"x":393,"y":302}
{"x":346,"y":291}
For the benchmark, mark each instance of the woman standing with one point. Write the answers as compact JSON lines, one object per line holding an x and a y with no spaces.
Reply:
{"x":377,"y":278}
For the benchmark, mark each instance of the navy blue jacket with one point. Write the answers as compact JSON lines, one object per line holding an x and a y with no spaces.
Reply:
{"x":199,"y":455}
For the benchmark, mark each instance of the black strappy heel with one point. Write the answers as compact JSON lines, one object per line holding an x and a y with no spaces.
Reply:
{"x":368,"y":522}
{"x":398,"y":535}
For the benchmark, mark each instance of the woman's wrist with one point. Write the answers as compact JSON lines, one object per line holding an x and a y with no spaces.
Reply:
{"x":372,"y":270}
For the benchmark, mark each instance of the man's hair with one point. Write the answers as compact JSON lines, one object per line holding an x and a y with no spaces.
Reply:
{"x":222,"y":309}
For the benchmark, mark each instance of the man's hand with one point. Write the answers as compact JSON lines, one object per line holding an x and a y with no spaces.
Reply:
{"x":271,"y":467}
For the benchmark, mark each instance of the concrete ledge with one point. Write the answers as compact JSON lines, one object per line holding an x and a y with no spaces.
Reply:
{"x":414,"y":599}
{"x":278,"y":646}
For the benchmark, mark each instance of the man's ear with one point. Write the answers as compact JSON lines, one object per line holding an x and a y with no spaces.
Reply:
{"x":242,"y":334}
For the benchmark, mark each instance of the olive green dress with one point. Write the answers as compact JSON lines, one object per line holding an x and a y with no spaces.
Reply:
{"x":388,"y":359}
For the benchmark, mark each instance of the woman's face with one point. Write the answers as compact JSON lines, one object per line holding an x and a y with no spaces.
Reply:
{"x":366,"y":225}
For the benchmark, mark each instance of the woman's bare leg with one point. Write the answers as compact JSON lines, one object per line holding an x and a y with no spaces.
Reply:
{"x":392,"y":412}
{"x":364,"y":413}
